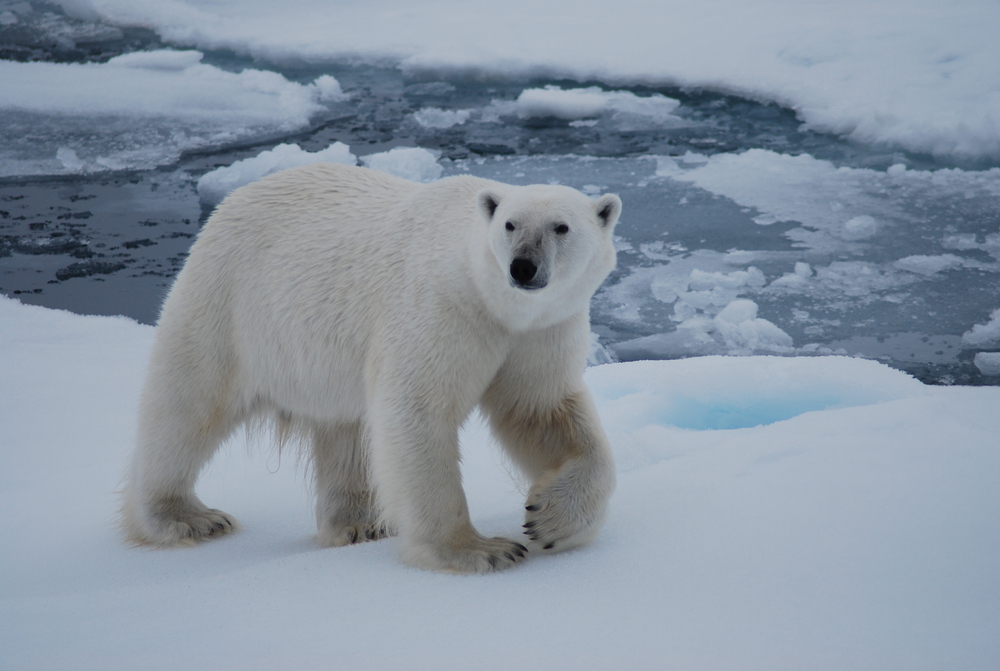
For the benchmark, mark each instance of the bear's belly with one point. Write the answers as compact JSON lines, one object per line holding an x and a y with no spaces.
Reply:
{"x":304,"y":376}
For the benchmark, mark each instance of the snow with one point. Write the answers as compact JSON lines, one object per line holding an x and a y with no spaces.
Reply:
{"x":771,"y":513}
{"x":924,"y":78}
{"x":219,"y":183}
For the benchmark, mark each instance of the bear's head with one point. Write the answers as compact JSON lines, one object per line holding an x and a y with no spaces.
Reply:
{"x":550,"y":241}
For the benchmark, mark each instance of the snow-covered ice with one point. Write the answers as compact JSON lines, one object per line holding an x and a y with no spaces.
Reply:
{"x":413,"y":163}
{"x":143,"y":109}
{"x":988,"y":363}
{"x":215,"y":185}
{"x":984,"y":334}
{"x":923,"y":78}
{"x":624,"y":107}
{"x":771,"y":513}
{"x":839,"y":208}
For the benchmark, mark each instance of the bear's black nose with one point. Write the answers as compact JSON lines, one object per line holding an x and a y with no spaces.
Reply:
{"x":522,"y":270}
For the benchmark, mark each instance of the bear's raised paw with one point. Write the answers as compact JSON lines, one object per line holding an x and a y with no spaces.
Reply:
{"x":565,"y":508}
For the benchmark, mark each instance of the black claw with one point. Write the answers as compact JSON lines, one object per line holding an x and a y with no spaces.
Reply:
{"x":509,"y":556}
{"x":533,"y":507}
{"x":521,"y":547}
{"x":528,"y":525}
{"x":549,"y":546}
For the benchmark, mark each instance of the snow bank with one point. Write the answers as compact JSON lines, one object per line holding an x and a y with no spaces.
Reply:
{"x":216,"y":185}
{"x":714,"y":392}
{"x":817,"y":514}
{"x":115,"y":111}
{"x":926,"y":78}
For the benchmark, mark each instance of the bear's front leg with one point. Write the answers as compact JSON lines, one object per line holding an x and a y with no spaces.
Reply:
{"x":563,"y":449}
{"x":415,"y":464}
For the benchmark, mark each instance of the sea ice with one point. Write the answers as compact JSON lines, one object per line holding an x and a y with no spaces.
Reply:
{"x":164,"y":83}
{"x":822,"y":513}
{"x":414,"y":163}
{"x":988,"y":363}
{"x":433,"y":117}
{"x":840,"y":209}
{"x":928,"y":265}
{"x":878,"y":73}
{"x":143,"y":109}
{"x":987,"y":334}
{"x":216,"y":185}
{"x":624,"y":107}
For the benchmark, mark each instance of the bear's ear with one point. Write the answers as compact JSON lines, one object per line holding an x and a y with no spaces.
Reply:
{"x":608,"y":208}
{"x":487,"y":201}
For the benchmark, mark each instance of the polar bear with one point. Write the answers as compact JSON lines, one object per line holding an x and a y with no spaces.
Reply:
{"x":371,"y":315}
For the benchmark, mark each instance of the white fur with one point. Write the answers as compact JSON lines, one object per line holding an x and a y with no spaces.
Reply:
{"x":374,"y":314}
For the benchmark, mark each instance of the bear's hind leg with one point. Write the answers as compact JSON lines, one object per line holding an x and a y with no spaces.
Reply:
{"x":188,"y":407}
{"x":159,"y":504}
{"x":346,"y":510}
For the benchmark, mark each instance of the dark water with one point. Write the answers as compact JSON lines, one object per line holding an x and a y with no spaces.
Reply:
{"x":110,"y":243}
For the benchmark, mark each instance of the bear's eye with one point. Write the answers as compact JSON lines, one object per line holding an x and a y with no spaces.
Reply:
{"x":562,"y":229}
{"x":509,"y":226}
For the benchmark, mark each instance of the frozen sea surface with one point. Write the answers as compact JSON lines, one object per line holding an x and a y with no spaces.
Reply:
{"x":745,"y":230}
{"x":771,"y":513}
